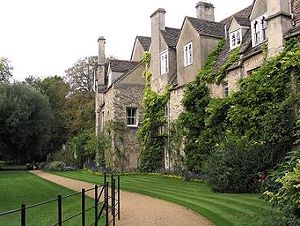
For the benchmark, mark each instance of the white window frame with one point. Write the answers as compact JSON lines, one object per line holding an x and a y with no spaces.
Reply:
{"x":234,"y":41}
{"x":133,"y":115}
{"x":164,"y":62}
{"x":259,"y":28}
{"x":188,"y":54}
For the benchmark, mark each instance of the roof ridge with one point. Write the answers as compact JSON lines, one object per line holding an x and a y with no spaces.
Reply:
{"x":142,"y":36}
{"x":173,"y":28}
{"x":129,"y":61}
{"x":227,"y":18}
{"x":210,"y":21}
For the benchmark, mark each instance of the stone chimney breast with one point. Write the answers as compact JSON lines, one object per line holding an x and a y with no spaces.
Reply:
{"x":101,"y":50}
{"x":158,"y":19}
{"x":205,"y":10}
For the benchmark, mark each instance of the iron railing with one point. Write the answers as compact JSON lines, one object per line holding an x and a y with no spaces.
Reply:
{"x":106,"y":205}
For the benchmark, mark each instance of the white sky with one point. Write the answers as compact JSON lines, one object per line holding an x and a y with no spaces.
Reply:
{"x":46,"y":37}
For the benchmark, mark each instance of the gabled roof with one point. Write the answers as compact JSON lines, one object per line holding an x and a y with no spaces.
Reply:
{"x":121,"y":65}
{"x":171,"y":36}
{"x":244,"y":13}
{"x":128,"y":72}
{"x":242,"y":21}
{"x":206,"y":27}
{"x":145,"y":42}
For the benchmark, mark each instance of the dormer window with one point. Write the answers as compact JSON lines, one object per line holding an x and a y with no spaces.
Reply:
{"x":164,"y":62}
{"x":188,"y":54}
{"x":259,"y":30}
{"x":235,"y":39}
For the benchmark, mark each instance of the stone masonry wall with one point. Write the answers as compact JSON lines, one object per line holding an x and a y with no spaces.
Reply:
{"x":175,"y":105}
{"x":127,"y":95}
{"x":296,"y":11}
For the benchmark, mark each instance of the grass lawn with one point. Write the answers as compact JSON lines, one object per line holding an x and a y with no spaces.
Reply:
{"x":18,"y":187}
{"x":221,"y":209}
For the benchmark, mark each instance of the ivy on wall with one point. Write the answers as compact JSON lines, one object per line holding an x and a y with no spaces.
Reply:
{"x":260,"y":113}
{"x":152,"y":133}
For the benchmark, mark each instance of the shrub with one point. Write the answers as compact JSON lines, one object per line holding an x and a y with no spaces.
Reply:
{"x":237,"y":166}
{"x":66,"y":155}
{"x":283,"y":187}
{"x":56,"y":166}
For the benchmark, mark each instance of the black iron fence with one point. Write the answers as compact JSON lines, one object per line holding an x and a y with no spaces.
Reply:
{"x":107,"y":205}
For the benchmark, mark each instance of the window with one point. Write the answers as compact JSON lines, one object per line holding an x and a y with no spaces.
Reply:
{"x":259,"y":30}
{"x":264,"y":28}
{"x":188,"y":54}
{"x":131,"y":117}
{"x":225,"y":89}
{"x":235,"y":39}
{"x":164,"y":63}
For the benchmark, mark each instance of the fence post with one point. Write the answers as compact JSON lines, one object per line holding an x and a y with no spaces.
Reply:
{"x":106,"y":203}
{"x":23,"y":215}
{"x":104,"y":179}
{"x":96,"y":205}
{"x":83,"y":207}
{"x":111,"y":193}
{"x":119,"y":200}
{"x":113,"y":183}
{"x":59,"y":208}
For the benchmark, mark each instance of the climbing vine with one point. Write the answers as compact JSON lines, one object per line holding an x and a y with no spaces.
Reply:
{"x":116,"y":154}
{"x":152,"y":132}
{"x":222,"y":72}
{"x":257,"y":123}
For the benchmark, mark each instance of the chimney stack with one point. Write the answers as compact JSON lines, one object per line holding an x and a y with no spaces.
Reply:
{"x":157,"y":21}
{"x":205,"y":10}
{"x":157,"y":25}
{"x":101,"y":63}
{"x":100,"y":83}
{"x":101,"y":50}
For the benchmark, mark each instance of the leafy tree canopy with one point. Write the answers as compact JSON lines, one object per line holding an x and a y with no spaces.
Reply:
{"x":5,"y":70}
{"x":25,"y":118}
{"x":81,"y":75}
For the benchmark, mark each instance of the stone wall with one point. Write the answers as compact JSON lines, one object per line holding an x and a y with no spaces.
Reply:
{"x":252,"y":63}
{"x":125,"y":146}
{"x":233,"y":76}
{"x":175,"y":105}
{"x":296,"y":11}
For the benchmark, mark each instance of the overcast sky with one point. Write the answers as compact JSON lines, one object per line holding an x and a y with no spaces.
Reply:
{"x":45,"y":37}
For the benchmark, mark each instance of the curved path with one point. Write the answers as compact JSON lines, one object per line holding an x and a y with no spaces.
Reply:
{"x":138,"y":210}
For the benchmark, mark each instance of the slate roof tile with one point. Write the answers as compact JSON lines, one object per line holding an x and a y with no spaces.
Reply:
{"x":206,"y":27}
{"x":244,"y":13}
{"x":171,"y":36}
{"x":122,"y":65}
{"x":145,"y":42}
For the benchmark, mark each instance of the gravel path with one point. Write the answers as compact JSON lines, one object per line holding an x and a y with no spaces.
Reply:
{"x":136,"y":209}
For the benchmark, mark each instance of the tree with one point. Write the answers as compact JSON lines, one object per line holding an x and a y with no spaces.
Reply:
{"x":25,"y":119}
{"x":56,"y":89}
{"x":81,"y":75}
{"x":5,"y":70}
{"x":80,"y":112}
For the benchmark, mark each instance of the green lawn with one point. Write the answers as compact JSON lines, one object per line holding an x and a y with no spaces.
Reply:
{"x":221,"y":209}
{"x":18,"y":187}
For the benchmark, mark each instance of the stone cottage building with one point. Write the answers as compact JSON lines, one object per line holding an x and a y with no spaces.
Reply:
{"x":177,"y":55}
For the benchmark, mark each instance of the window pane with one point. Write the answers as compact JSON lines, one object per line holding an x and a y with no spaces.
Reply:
{"x":238,"y":38}
{"x":131,"y":116}
{"x":233,"y":39}
{"x":190,"y":54}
